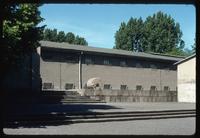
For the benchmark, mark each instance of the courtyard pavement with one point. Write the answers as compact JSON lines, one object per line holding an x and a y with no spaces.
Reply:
{"x":96,"y":107}
{"x":180,"y":126}
{"x":173,"y":126}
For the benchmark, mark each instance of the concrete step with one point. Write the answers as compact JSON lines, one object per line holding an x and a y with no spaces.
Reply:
{"x":97,"y":115}
{"x":89,"y":120}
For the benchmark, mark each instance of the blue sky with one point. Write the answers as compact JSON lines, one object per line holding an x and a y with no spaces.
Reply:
{"x":97,"y":23}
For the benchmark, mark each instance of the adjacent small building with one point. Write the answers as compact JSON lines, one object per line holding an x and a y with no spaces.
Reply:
{"x":64,"y":66}
{"x":186,"y":79}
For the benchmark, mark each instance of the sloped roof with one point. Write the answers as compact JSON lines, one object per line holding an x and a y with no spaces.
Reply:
{"x":67,"y":46}
{"x":185,"y":59}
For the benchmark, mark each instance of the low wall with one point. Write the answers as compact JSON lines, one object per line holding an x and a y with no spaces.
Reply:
{"x":132,"y":95}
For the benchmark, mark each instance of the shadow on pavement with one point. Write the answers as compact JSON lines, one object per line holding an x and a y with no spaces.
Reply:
{"x":41,"y":115}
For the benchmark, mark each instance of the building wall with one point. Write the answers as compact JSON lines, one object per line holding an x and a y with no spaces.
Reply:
{"x":60,"y":73}
{"x":187,"y":81}
{"x":116,"y":76}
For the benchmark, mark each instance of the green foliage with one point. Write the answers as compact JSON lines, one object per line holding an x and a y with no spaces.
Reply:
{"x":70,"y":37}
{"x":158,"y":33}
{"x":61,"y":36}
{"x":80,"y":41}
{"x":21,"y":34}
{"x":194,"y":47}
{"x":52,"y":35}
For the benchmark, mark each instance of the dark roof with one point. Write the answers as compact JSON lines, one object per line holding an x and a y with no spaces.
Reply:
{"x":186,"y":59}
{"x":67,"y":46}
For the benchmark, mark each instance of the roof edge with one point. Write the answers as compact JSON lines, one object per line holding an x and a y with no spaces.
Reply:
{"x":186,"y":59}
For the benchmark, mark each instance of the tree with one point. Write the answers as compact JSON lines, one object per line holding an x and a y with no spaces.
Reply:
{"x":47,"y":35}
{"x":19,"y":26}
{"x":61,"y":36}
{"x":70,"y":37}
{"x":52,"y":35}
{"x":80,"y":41}
{"x":121,"y":38}
{"x":158,"y":33}
{"x":162,"y":34}
{"x":194,"y":47}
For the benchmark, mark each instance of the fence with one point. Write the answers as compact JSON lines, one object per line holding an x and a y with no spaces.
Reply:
{"x":132,"y":95}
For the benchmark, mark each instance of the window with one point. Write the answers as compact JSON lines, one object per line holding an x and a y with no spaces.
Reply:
{"x":123,"y":87}
{"x":88,"y":60}
{"x":106,"y":86}
{"x":166,"y":88}
{"x":138,"y":65}
{"x":139,"y":87}
{"x":69,"y":58}
{"x":69,"y":86}
{"x":46,"y":55}
{"x":153,"y":66}
{"x":153,"y":88}
{"x":123,"y":63}
{"x":48,"y":85}
{"x":106,"y":62}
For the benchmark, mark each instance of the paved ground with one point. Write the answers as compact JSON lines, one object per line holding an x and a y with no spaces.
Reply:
{"x":97,"y":107}
{"x":180,"y":126}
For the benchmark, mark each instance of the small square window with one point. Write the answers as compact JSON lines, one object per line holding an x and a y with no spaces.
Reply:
{"x":48,"y":85}
{"x":123,"y":87}
{"x":106,"y":62}
{"x":138,"y":65}
{"x":139,"y":87}
{"x":153,"y":88}
{"x":123,"y":63}
{"x":69,"y":86}
{"x":166,"y":88}
{"x":88,"y":60}
{"x":106,"y":86}
{"x":153,"y":66}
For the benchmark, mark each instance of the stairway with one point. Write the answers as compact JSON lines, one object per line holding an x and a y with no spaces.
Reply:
{"x":53,"y":97}
{"x":87,"y":117}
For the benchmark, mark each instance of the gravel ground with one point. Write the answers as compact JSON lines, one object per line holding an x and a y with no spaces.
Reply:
{"x":180,"y":126}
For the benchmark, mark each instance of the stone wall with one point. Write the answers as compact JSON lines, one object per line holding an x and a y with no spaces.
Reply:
{"x":132,"y":95}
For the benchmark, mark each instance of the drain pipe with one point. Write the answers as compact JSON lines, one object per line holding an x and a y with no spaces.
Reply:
{"x":80,"y":70}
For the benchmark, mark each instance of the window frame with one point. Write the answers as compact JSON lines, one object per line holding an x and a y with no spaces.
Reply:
{"x":153,"y":86}
{"x":106,"y":61}
{"x":73,"y":86}
{"x":109,"y":88}
{"x":46,"y":84}
{"x":121,"y":86}
{"x":138,"y":86}
{"x":88,"y":60}
{"x":123,"y":63}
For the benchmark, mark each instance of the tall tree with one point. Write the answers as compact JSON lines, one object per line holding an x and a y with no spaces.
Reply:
{"x":162,"y":34}
{"x":194,"y":47}
{"x":19,"y":26}
{"x":47,"y":34}
{"x":80,"y":41}
{"x":158,"y":33}
{"x":121,"y":38}
{"x":61,"y":36}
{"x":52,"y":35}
{"x":70,"y":37}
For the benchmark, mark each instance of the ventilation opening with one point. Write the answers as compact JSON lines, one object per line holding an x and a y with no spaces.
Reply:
{"x":48,"y":85}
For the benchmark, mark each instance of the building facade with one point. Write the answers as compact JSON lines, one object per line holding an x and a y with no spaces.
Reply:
{"x":186,"y":75}
{"x":64,"y":66}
